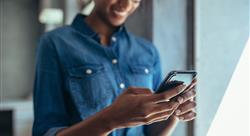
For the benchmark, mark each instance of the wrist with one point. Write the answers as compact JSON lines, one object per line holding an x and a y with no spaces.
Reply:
{"x":107,"y":120}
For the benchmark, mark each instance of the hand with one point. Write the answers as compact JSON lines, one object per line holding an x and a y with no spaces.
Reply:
{"x":139,"y":106}
{"x":186,"y":110}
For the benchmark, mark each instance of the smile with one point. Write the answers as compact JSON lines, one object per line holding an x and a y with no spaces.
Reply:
{"x":119,"y":13}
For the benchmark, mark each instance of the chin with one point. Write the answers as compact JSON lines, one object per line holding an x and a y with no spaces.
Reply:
{"x":116,"y":22}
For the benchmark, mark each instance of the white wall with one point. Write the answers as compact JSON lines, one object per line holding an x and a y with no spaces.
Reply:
{"x":221,"y":33}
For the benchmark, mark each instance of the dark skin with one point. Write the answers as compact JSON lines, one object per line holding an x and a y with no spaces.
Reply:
{"x":135,"y":106}
{"x":184,"y":112}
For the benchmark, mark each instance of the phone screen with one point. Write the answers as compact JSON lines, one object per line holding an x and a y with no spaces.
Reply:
{"x":185,"y":78}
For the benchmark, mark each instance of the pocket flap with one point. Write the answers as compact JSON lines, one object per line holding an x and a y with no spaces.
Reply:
{"x":141,"y":69}
{"x":85,"y":70}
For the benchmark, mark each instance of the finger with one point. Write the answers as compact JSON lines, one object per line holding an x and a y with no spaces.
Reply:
{"x":167,"y":95}
{"x":158,"y":120}
{"x":191,"y":100}
{"x":193,"y":83}
{"x":186,"y":96}
{"x":163,"y":118}
{"x":136,"y":90}
{"x":165,"y":106}
{"x":185,"y":108}
{"x":160,"y":116}
{"x":188,"y":116}
{"x":191,"y":86}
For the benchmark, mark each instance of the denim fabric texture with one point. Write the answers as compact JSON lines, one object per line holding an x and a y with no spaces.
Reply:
{"x":76,"y":76}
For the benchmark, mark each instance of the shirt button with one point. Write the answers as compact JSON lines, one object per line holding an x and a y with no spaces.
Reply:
{"x":114,"y":39}
{"x":146,"y":70}
{"x":122,"y":85}
{"x":88,"y":71}
{"x":114,"y":61}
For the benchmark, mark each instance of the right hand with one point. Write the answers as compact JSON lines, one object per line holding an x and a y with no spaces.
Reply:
{"x":139,"y":106}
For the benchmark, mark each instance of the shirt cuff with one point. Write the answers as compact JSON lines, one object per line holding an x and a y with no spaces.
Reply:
{"x":53,"y":131}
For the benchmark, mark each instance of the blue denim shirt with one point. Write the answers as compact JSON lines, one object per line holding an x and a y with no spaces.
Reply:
{"x":76,"y":76}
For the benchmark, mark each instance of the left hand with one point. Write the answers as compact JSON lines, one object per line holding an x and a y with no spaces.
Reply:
{"x":186,"y":109}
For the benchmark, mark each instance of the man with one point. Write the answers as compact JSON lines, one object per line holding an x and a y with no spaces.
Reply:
{"x":94,"y":78}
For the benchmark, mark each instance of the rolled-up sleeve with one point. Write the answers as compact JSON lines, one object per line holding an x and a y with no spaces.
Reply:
{"x":49,"y":106}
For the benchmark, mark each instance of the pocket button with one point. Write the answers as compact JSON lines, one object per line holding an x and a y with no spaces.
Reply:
{"x":114,"y":61}
{"x":146,"y":70}
{"x":88,"y":71}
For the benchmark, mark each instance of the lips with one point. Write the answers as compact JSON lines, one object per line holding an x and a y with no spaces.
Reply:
{"x":120,"y":13}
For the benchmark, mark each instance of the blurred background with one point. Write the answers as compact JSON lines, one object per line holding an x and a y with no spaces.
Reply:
{"x":207,"y":36}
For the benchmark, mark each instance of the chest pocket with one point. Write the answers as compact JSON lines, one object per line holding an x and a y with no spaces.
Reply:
{"x":141,"y":75}
{"x":89,"y":86}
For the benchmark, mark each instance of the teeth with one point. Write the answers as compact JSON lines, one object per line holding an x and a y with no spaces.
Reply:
{"x":120,"y":13}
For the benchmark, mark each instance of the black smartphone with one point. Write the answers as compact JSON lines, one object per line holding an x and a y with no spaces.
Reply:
{"x":175,"y":78}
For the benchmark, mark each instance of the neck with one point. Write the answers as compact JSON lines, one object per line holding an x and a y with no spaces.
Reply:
{"x":103,"y":29}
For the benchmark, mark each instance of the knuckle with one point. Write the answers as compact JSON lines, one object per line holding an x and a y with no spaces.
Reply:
{"x":180,"y":99}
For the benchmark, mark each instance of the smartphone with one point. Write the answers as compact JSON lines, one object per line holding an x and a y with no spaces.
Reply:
{"x":176,"y":78}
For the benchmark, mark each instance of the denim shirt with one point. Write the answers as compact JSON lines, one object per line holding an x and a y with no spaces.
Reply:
{"x":76,"y":76}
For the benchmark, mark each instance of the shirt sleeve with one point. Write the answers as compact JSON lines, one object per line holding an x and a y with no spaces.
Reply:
{"x":49,"y":107}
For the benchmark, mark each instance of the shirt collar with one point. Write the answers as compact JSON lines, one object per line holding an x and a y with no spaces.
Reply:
{"x":80,"y":25}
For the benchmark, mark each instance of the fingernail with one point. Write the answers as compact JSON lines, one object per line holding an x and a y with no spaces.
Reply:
{"x":177,"y":112}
